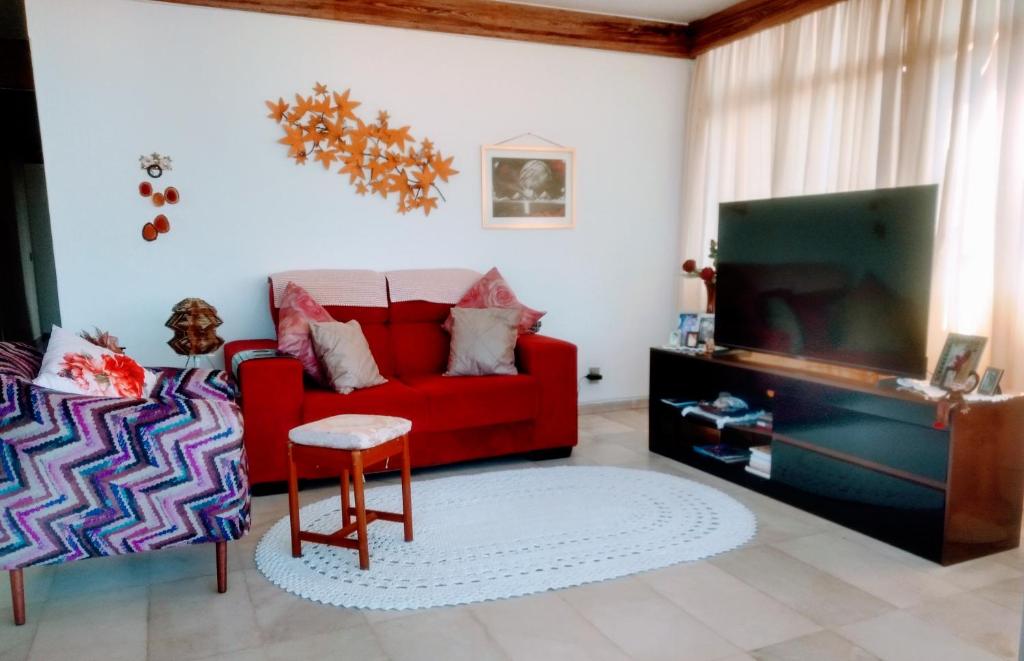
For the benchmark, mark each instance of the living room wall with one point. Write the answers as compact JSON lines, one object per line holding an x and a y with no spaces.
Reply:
{"x":121,"y":78}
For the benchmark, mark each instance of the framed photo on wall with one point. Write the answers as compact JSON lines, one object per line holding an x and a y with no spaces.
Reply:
{"x":528,"y":187}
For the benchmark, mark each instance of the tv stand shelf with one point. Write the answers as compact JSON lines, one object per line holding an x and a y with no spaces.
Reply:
{"x":860,"y":453}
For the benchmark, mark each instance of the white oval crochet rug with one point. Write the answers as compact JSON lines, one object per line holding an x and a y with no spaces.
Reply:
{"x":508,"y":533}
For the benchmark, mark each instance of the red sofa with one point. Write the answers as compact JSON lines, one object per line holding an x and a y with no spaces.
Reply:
{"x":454,"y":418}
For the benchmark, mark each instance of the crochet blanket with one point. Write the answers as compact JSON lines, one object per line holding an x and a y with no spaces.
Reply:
{"x":84,"y":476}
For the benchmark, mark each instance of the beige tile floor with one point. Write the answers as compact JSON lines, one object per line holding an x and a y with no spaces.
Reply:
{"x":802,"y":589}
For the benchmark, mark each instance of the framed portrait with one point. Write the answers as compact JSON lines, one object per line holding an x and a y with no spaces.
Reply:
{"x":706,"y":328}
{"x":528,"y":187}
{"x":990,"y":381}
{"x":692,"y":339}
{"x":958,"y":360}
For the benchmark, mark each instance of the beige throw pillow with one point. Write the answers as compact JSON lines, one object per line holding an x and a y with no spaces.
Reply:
{"x":483,"y":341}
{"x":345,"y":355}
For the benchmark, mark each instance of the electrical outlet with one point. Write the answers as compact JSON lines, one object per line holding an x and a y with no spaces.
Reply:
{"x":594,"y":374}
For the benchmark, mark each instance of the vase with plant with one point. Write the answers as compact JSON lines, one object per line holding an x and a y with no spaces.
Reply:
{"x":708,"y":274}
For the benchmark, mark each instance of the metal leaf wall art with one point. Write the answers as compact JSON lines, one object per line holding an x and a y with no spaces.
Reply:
{"x":377,"y":157}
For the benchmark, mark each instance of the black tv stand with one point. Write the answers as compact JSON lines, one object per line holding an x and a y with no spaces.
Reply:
{"x":862,"y":453}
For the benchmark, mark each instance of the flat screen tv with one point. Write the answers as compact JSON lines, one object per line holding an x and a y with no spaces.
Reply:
{"x":842,"y":278}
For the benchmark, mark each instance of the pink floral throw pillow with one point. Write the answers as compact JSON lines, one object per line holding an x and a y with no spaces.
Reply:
{"x":293,"y":336}
{"x":73,"y":365}
{"x":491,"y":291}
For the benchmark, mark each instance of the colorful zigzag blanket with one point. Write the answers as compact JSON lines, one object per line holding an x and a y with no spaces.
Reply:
{"x":84,"y":476}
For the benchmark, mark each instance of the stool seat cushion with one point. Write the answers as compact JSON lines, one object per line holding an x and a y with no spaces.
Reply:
{"x":351,"y":431}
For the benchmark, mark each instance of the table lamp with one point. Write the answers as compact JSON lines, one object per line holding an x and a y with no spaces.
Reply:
{"x":194,"y":322}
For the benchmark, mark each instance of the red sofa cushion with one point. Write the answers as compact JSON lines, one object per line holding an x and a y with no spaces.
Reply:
{"x":458,"y":402}
{"x":391,"y":398}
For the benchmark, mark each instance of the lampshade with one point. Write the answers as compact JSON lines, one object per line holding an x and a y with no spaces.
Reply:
{"x":194,"y":322}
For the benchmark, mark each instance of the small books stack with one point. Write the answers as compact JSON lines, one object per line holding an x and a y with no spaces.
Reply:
{"x":760,"y":461}
{"x":723,"y":452}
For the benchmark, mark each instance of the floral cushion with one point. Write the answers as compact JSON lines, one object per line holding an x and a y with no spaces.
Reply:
{"x":492,"y":291}
{"x":75,"y":365}
{"x":297,"y":310}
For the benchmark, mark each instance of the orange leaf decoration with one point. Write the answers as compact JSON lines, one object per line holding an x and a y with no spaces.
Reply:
{"x":277,"y":110}
{"x":378,"y":159}
{"x":344,"y":107}
{"x":443,"y":168}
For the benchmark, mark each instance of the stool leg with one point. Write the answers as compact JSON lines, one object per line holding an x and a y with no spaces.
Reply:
{"x":406,"y":489}
{"x":357,"y":478}
{"x":293,"y":504}
{"x":18,"y":596}
{"x":346,"y":516}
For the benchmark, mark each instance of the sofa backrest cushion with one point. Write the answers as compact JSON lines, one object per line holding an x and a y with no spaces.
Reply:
{"x":346,"y":295}
{"x":418,"y":342}
{"x":400,"y":312}
{"x":421,"y":300}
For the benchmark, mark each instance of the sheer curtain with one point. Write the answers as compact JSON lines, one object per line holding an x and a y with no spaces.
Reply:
{"x":878,"y":93}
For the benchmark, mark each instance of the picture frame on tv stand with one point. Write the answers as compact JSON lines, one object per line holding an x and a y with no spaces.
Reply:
{"x":959,"y":361}
{"x":706,"y":329}
{"x":989,"y":384}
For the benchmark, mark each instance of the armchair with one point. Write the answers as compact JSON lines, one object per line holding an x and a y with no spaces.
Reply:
{"x":84,"y":477}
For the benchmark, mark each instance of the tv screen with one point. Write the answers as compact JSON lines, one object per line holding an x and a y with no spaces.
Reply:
{"x":842,"y":278}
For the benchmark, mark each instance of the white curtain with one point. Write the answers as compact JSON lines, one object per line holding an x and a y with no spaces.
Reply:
{"x":879,"y":93}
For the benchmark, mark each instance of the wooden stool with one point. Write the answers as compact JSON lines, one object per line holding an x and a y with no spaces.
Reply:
{"x":351,"y":442}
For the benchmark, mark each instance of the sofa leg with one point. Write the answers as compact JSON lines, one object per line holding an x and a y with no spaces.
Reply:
{"x":550,"y":453}
{"x":18,"y":595}
{"x":222,"y":567}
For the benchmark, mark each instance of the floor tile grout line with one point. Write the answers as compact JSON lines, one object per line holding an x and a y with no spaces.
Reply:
{"x":909,"y":613}
{"x":977,"y":593}
{"x":758,"y":590}
{"x":487,"y":632}
{"x":711,"y":560}
{"x":903,"y":566}
{"x":586,"y":619}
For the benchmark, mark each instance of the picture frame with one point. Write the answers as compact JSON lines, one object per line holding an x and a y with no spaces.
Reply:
{"x":959,"y":359}
{"x":528,"y":187}
{"x":989,"y":384}
{"x":706,"y":329}
{"x":692,"y":340}
{"x":689,"y":322}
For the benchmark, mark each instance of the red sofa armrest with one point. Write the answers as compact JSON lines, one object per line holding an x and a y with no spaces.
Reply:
{"x":553,"y":363}
{"x":271,"y":401}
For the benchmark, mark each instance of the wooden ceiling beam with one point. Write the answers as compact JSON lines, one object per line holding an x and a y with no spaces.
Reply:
{"x":504,"y":20}
{"x":744,"y":19}
{"x":485,"y":18}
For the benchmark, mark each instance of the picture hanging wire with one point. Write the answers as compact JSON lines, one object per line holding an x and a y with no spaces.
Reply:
{"x":523,"y":135}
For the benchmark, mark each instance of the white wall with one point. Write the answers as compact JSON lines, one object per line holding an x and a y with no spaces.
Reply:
{"x":119,"y":78}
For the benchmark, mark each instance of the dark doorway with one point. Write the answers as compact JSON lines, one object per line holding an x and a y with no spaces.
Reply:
{"x":28,"y":298}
